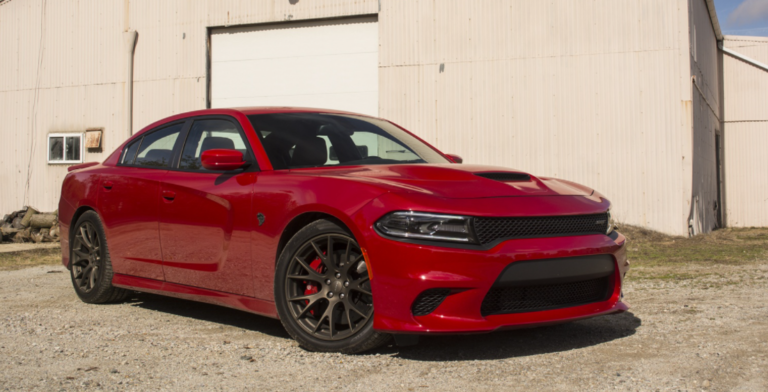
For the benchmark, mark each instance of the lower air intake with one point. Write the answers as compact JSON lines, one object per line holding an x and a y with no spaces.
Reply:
{"x":502,"y":300}
{"x":428,"y":301}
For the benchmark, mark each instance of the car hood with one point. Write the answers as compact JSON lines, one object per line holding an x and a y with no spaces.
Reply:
{"x":451,"y":180}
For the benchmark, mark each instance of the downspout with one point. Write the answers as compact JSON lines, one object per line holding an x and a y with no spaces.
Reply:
{"x":130,"y":46}
{"x":742,"y":57}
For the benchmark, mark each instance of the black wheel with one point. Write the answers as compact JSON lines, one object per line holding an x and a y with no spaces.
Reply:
{"x":323,"y":292}
{"x":91,"y":268}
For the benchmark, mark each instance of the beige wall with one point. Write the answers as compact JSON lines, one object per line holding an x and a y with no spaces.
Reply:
{"x":593,"y":91}
{"x":82,"y":72}
{"x":746,"y":133}
{"x":596,"y":91}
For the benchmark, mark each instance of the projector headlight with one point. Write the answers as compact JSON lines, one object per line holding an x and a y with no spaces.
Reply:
{"x":427,"y":226}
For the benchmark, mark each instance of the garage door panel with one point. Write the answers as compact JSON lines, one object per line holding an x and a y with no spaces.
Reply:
{"x":316,"y":75}
{"x":290,"y":41}
{"x":330,"y":65}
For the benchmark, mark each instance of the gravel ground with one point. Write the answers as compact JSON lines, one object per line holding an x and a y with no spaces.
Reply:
{"x":691,"y":328}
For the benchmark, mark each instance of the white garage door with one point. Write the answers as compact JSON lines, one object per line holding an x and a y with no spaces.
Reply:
{"x":325,"y":64}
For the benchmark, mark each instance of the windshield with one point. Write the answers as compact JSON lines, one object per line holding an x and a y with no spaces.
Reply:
{"x":296,"y":140}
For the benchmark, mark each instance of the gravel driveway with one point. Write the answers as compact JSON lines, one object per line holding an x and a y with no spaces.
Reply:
{"x":697,"y":328}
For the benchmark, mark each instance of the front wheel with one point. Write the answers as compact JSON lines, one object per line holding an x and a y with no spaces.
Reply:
{"x":323,"y":292}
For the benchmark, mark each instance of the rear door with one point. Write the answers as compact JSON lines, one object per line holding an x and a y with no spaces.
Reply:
{"x":206,"y":216}
{"x":129,"y":200}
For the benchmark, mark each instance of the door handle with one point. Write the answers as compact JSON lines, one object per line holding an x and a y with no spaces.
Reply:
{"x":169,"y":195}
{"x":107,"y":185}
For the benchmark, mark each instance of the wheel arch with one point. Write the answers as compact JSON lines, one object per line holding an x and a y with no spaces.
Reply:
{"x":302,"y":220}
{"x":73,"y":222}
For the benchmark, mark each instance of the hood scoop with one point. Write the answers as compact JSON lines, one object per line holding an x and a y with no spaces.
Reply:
{"x":505,"y":176}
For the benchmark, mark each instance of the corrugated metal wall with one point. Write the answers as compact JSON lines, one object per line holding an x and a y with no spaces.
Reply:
{"x":746,"y":133}
{"x":593,"y":91}
{"x":63,"y":75}
{"x":80,"y":80}
{"x":705,"y":67}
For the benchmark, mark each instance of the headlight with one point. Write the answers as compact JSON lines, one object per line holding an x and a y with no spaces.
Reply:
{"x":610,"y":223}
{"x":425,"y":226}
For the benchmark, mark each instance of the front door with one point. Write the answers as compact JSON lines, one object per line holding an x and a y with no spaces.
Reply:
{"x":206,"y":216}
{"x":129,"y":199}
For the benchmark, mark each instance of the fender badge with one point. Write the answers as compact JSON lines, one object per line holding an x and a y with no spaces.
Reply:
{"x":261,"y":218}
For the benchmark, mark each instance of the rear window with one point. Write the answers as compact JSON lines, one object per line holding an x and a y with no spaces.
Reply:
{"x":297,"y":140}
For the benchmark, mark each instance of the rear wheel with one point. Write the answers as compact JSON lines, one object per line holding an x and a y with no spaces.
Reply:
{"x":323,"y":293}
{"x":91,"y":267}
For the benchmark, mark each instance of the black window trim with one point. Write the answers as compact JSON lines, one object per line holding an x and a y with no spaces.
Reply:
{"x":250,"y":158}
{"x":184,"y":129}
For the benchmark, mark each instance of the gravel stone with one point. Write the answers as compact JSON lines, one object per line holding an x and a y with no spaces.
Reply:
{"x":49,"y":340}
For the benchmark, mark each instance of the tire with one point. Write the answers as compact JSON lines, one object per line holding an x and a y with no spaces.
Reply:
{"x":325,"y":303}
{"x":90,"y":265}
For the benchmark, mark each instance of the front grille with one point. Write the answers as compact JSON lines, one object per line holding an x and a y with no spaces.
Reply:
{"x":505,"y":176}
{"x":502,"y":300}
{"x":489,"y":230}
{"x":428,"y":301}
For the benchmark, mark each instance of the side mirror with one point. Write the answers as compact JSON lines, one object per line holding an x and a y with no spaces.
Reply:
{"x":455,"y":158}
{"x":222,"y":159}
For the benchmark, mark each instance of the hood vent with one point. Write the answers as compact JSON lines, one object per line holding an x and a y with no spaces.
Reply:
{"x":505,"y":176}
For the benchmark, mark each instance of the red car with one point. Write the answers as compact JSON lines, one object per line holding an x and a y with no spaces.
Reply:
{"x":314,"y":216}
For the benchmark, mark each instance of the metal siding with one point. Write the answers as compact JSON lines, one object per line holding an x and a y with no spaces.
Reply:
{"x":746,"y":133}
{"x":593,"y":91}
{"x":82,"y":77}
{"x":705,"y":68}
{"x":80,"y":86}
{"x":596,"y":92}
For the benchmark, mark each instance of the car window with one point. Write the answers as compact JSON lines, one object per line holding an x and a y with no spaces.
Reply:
{"x":207,"y":135}
{"x":296,"y":140}
{"x":156,"y":148}
{"x":129,"y":153}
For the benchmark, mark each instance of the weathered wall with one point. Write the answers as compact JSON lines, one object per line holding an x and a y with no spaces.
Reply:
{"x":74,"y":77}
{"x":593,"y":91}
{"x":705,"y":69}
{"x":58,"y":76}
{"x":746,"y":133}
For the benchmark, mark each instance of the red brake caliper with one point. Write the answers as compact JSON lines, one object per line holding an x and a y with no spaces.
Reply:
{"x":312,"y":287}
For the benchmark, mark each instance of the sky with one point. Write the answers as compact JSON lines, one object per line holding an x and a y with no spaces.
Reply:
{"x":743,"y":17}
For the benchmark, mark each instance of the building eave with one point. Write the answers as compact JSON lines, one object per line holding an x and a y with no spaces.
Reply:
{"x":713,"y":18}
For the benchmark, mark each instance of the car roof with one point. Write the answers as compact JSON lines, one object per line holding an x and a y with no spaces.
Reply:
{"x":251,"y":110}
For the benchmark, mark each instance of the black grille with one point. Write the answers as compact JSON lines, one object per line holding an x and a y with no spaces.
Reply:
{"x":491,"y":229}
{"x":544,"y":297}
{"x":428,"y":301}
{"x":502,"y":176}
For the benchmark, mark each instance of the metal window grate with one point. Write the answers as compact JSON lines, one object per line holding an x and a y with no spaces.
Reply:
{"x":503,"y":300}
{"x":489,"y":230}
{"x":428,"y":301}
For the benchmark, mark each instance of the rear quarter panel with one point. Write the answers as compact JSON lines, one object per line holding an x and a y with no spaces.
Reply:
{"x":79,"y":189}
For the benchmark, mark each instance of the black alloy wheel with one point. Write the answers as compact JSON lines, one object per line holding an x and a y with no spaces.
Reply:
{"x":323,"y":291}
{"x":89,"y":262}
{"x":86,"y":257}
{"x":328,"y":289}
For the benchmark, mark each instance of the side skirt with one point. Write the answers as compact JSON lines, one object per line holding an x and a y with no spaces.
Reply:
{"x":239,"y":302}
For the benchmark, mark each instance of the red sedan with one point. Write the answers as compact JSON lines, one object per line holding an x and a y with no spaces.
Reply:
{"x":314,"y":216}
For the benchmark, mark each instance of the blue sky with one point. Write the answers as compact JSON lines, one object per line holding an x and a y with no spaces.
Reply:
{"x":743,"y":17}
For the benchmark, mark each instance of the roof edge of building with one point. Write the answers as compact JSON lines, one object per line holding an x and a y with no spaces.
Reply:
{"x":713,"y":18}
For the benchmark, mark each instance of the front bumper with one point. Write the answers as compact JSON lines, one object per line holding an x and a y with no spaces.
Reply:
{"x":401,"y":271}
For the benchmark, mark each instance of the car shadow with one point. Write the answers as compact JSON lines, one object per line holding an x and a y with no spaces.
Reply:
{"x":490,"y":346}
{"x":211,"y":313}
{"x":520,"y":342}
